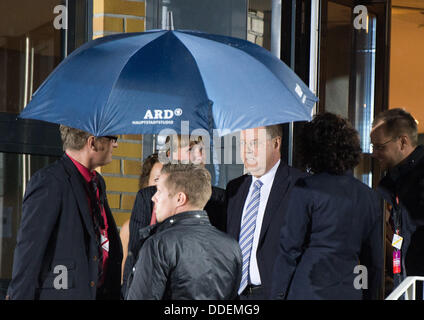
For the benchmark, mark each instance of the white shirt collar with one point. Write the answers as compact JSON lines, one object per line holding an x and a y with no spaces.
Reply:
{"x":268,"y":177}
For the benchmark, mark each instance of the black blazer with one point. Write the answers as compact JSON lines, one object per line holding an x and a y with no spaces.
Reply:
{"x":332,"y":225}
{"x":406,"y":180}
{"x":142,"y":214}
{"x":237,"y":191}
{"x":57,"y":229}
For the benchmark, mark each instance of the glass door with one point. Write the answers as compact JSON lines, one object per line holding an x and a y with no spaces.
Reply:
{"x":354,"y":68}
{"x":34,"y":38}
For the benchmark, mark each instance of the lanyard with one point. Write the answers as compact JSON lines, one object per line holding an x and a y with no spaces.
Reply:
{"x":397,"y":255}
{"x":396,"y":215}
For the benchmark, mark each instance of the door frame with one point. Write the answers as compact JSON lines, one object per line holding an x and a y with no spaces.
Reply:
{"x":29,"y":136}
{"x":382,"y":9}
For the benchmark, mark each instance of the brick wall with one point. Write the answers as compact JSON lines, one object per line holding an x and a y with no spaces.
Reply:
{"x":122,"y":174}
{"x":259,"y":28}
{"x":115,"y":16}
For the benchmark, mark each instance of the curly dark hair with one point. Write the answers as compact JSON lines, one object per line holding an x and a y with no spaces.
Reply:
{"x":146,"y":167}
{"x":329,"y":144}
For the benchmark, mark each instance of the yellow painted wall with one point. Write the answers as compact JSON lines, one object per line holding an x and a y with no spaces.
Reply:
{"x":407,"y":63}
{"x":115,"y":16}
{"x":122,"y":174}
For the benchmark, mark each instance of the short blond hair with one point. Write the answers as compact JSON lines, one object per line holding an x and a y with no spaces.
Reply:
{"x":72,"y":138}
{"x":193,"y":180}
{"x":182,"y":141}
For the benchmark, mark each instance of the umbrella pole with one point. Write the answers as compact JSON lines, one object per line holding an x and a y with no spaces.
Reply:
{"x":292,"y":66}
{"x":169,"y":21}
{"x":212,"y":152}
{"x":276,"y":50}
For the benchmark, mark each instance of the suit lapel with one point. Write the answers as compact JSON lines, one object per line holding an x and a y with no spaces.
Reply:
{"x":80,"y":195}
{"x":236,"y":210}
{"x":279,"y":189}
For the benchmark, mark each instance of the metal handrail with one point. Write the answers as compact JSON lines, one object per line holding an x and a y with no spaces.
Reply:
{"x":407,"y":287}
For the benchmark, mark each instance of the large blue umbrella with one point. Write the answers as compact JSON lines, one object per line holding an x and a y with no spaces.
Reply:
{"x":141,"y":83}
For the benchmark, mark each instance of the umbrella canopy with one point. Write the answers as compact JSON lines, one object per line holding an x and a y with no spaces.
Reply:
{"x":142,"y":83}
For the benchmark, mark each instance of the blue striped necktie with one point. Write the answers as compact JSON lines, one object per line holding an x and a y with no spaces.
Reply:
{"x":248,"y":230}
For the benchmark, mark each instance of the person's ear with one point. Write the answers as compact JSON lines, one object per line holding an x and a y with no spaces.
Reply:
{"x":277,"y":143}
{"x":404,"y":142}
{"x":182,"y":199}
{"x":92,"y":143}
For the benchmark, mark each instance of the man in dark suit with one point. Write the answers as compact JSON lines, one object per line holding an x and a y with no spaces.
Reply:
{"x":394,"y":136}
{"x":68,"y":245}
{"x":255,"y":207}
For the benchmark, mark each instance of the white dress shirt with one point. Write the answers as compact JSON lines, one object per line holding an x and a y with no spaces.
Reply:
{"x":267,"y":179}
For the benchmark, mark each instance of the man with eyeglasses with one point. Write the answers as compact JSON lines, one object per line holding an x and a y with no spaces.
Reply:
{"x":68,"y":246}
{"x":394,"y":140}
{"x":256,"y":203}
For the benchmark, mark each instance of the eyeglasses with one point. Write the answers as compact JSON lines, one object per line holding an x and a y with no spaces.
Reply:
{"x":381,"y":146}
{"x":112,"y":138}
{"x":253,"y":144}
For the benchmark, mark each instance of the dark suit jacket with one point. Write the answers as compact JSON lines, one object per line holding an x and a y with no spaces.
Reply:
{"x":406,"y":180}
{"x":57,"y":229}
{"x":142,"y":214}
{"x":237,"y":191}
{"x":333,"y":224}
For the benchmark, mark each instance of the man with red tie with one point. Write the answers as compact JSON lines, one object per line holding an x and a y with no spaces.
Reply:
{"x":68,"y":245}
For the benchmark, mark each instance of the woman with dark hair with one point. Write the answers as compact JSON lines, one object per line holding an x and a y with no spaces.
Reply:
{"x":150,"y":172}
{"x":331,"y":238}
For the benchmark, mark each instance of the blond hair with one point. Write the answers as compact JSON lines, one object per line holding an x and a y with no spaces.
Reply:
{"x":193,"y":180}
{"x":182,"y":141}
{"x":72,"y":138}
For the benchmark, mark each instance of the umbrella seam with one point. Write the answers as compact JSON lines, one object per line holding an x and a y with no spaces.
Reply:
{"x":298,"y":80}
{"x":195,"y":62}
{"x":120,"y":72}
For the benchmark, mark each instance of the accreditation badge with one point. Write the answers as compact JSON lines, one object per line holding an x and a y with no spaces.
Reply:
{"x":397,"y":241}
{"x":104,"y":242}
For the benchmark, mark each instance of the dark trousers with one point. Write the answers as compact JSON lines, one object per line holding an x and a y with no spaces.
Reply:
{"x":253,"y":293}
